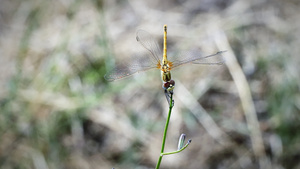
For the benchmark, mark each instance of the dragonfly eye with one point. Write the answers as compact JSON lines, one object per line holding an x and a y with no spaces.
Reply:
{"x":165,"y":85}
{"x":172,"y":82}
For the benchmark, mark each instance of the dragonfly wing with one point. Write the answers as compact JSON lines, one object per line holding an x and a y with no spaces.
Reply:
{"x":148,"y":42}
{"x":197,"y":57}
{"x":138,"y":63}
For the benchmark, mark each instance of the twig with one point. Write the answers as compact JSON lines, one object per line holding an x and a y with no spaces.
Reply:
{"x":246,"y":99}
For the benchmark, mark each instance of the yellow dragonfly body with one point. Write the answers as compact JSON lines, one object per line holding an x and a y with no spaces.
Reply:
{"x":166,"y":64}
{"x":154,"y":59}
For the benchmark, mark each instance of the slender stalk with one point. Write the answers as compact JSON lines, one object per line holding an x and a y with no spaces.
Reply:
{"x":178,"y":151}
{"x":165,"y":132}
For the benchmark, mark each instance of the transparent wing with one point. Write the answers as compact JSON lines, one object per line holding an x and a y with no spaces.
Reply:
{"x":197,"y":57}
{"x":147,"y":41}
{"x":138,"y":63}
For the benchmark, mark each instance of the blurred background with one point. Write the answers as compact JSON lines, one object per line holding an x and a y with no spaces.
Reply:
{"x":58,"y":111}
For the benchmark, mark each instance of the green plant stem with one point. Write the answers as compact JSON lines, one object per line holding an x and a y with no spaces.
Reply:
{"x":165,"y":133}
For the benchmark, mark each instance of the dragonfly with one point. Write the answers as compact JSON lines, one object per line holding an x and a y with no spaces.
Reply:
{"x":157,"y":59}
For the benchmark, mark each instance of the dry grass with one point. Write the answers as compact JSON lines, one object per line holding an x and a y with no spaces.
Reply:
{"x":57,"y":111}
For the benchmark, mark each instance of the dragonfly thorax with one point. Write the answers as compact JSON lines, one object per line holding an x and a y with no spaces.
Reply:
{"x":166,"y":76}
{"x":165,"y":71}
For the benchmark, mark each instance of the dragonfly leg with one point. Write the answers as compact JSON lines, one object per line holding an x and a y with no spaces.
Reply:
{"x":169,"y":95}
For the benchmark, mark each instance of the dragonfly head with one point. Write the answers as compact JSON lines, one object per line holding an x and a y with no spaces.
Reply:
{"x":169,"y":86}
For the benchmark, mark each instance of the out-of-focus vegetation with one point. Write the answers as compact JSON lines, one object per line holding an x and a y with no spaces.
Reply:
{"x":57,"y":110}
